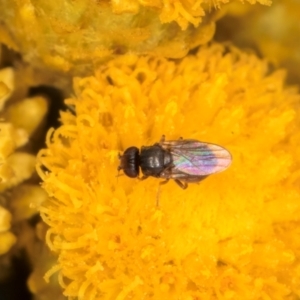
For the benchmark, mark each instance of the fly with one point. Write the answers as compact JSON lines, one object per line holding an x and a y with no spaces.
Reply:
{"x":183,"y":160}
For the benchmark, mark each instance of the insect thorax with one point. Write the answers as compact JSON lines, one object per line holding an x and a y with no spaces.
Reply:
{"x":153,"y":160}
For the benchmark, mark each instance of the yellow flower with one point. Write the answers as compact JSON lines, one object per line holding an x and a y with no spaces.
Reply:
{"x":76,"y":36}
{"x":233,"y":236}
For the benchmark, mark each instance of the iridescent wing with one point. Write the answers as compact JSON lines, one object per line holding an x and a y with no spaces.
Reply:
{"x":197,"y":158}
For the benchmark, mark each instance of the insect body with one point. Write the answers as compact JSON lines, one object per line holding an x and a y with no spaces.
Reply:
{"x":185,"y":161}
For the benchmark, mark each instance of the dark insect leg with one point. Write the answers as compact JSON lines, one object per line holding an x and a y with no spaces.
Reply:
{"x":164,"y":182}
{"x":163,"y":138}
{"x":195,"y":179}
{"x":119,"y":175}
{"x":119,"y":167}
{"x":158,"y":191}
{"x":183,"y":185}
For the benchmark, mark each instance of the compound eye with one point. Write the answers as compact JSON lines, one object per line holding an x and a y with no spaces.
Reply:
{"x":130,"y":162}
{"x":132,"y":173}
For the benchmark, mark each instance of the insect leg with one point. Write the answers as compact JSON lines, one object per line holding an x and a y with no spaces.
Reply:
{"x":164,"y":182}
{"x":163,"y":138}
{"x":183,"y":185}
{"x":158,"y":191}
{"x":143,"y":177}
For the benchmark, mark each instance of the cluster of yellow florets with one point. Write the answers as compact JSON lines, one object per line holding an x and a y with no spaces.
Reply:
{"x":229,"y":237}
{"x":7,"y":239}
{"x":19,"y":122}
{"x":21,"y":117}
{"x":234,"y":235}
{"x":78,"y":36}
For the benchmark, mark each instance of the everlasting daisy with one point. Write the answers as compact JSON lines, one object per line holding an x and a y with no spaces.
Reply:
{"x":233,"y":236}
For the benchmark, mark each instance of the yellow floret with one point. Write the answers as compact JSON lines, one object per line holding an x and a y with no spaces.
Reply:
{"x":233,"y":236}
{"x":6,"y":84}
{"x":7,"y":239}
